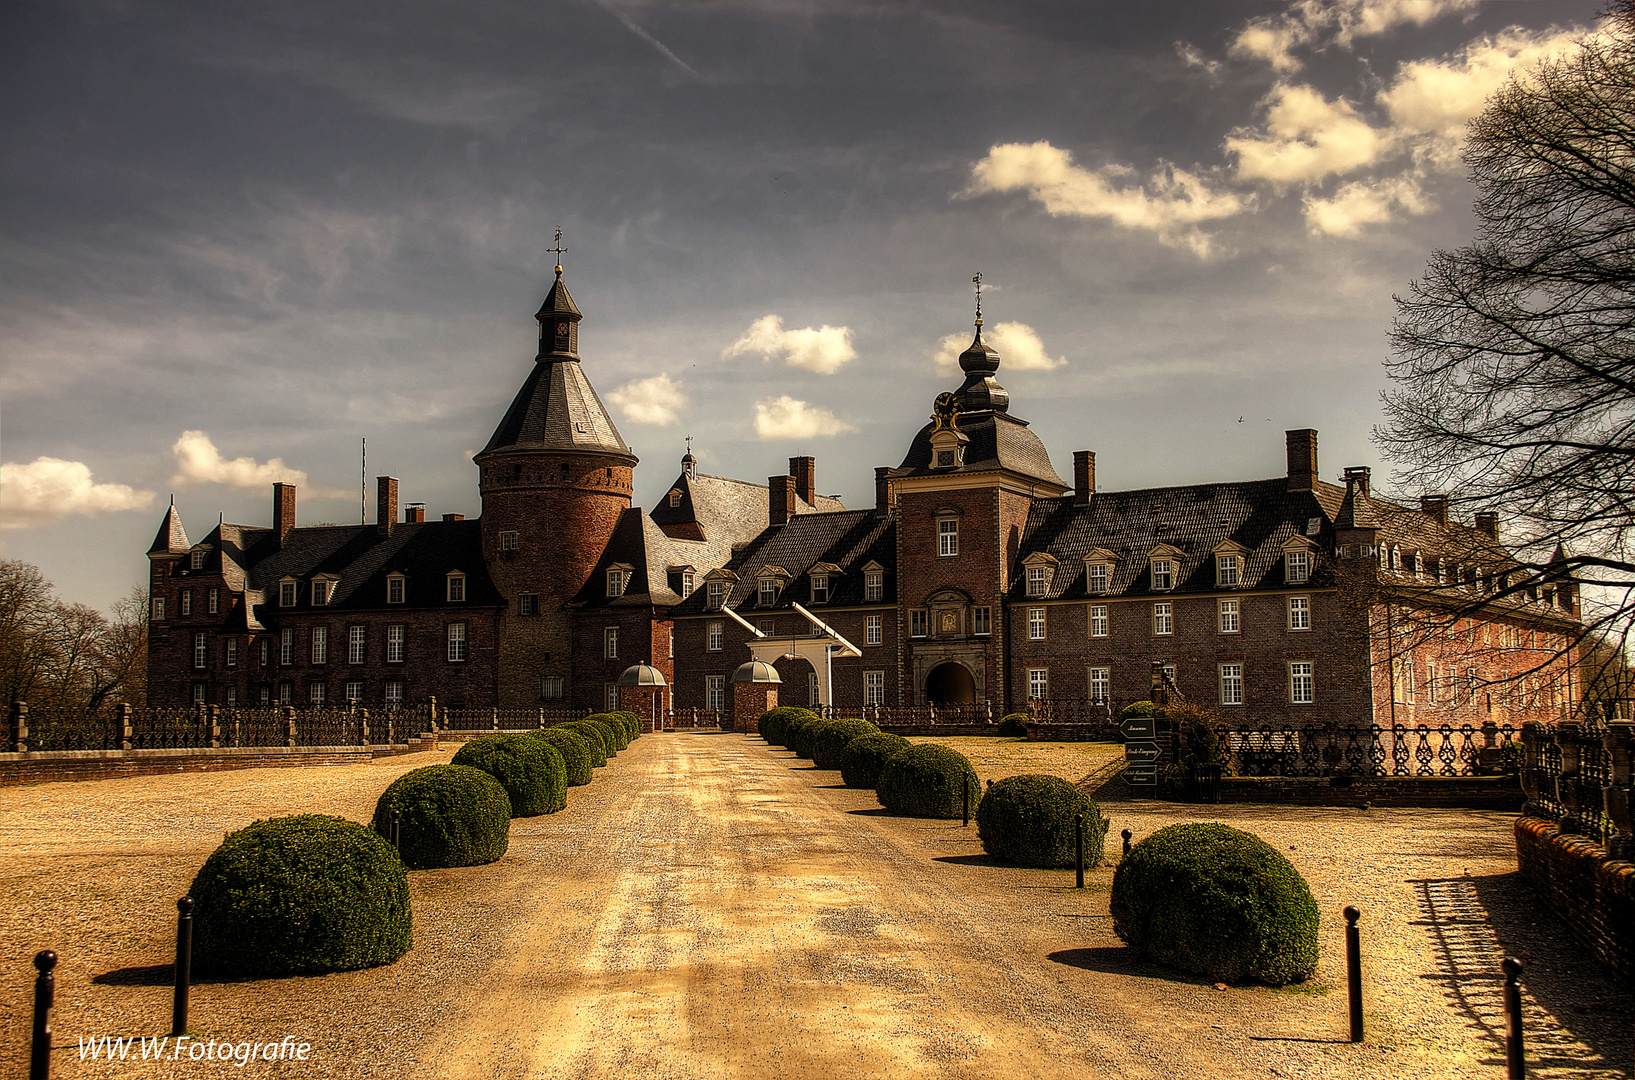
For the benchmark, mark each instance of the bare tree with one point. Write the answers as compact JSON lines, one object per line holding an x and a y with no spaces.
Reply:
{"x":68,"y":656}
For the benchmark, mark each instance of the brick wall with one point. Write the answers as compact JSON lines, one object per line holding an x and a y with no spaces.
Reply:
{"x":1592,"y":893}
{"x":50,"y":767}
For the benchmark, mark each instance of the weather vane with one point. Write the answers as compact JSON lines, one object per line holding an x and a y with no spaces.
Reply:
{"x":978,"y":282}
{"x":558,"y":250}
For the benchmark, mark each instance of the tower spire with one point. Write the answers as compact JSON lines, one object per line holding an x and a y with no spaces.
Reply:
{"x":558,"y":251}
{"x":977,"y":281}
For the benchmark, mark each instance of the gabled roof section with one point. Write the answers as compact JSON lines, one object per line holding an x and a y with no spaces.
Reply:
{"x":851,"y":540}
{"x":171,"y":538}
{"x":721,"y":509}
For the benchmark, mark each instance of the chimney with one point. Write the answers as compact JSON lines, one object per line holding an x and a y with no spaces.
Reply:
{"x":882,"y":490}
{"x":1487,"y":523}
{"x":454,"y":517}
{"x":414,"y":514}
{"x":1356,"y":478}
{"x":283,"y":510}
{"x":804,"y":470}
{"x":1436,"y":506}
{"x":1084,"y":477}
{"x":1301,"y":445}
{"x":780,"y":502}
{"x":385,"y":504}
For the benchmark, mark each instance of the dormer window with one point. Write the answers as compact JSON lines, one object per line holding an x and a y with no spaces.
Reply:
{"x":715,"y":594}
{"x":199,"y":556}
{"x":874,"y":586}
{"x":1163,"y":575}
{"x":1039,"y":571}
{"x":1385,"y":557}
{"x":287,"y":592}
{"x":456,"y":588}
{"x":396,"y":586}
{"x":769,"y":591}
{"x":820,"y":588}
{"x":1419,"y":565}
{"x":1098,"y":571}
{"x":1396,"y":559}
{"x":1296,"y":566}
{"x":675,"y":498}
{"x":322,"y":590}
{"x":686,"y":583}
{"x":615,"y":582}
{"x":947,"y":459}
{"x":1096,"y":578}
{"x":1228,"y":571}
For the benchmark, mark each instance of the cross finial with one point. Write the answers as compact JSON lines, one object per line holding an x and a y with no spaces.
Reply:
{"x":977,"y":281}
{"x":558,"y":250}
{"x":689,"y":444}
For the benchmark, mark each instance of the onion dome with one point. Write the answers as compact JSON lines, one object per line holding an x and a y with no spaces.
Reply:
{"x":642,"y":675}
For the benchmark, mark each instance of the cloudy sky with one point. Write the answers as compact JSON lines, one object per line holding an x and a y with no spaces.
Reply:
{"x":238,"y":238}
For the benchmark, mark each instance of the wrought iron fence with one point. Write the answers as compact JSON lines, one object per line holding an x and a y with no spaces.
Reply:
{"x":122,"y":727}
{"x":1410,"y":750}
{"x":1578,"y":775}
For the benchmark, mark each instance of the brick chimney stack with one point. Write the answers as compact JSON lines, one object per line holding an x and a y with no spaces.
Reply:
{"x":1435,"y":506}
{"x":882,"y":490}
{"x":1301,"y":445}
{"x":780,"y":502}
{"x":1487,"y":523}
{"x":414,"y":515}
{"x":804,"y":470}
{"x":283,"y":510}
{"x":1084,"y":477}
{"x":1356,"y":479}
{"x":385,"y":504}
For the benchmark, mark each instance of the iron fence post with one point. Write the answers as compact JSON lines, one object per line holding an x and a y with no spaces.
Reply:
{"x":184,"y":965}
{"x":1127,"y":834}
{"x":1514,"y":1058}
{"x":45,"y":993}
{"x":1353,"y":971}
{"x":1078,"y":833}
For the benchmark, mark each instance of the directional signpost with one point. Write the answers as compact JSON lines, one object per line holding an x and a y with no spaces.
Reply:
{"x":1140,"y":751}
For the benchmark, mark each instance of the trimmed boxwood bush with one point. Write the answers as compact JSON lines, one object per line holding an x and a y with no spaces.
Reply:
{"x":632,"y":723}
{"x":1015,"y":723}
{"x":610,"y":738}
{"x":532,"y":772}
{"x":928,"y":781}
{"x":1028,"y":820}
{"x":300,"y":895}
{"x":616,"y":725}
{"x":866,"y":755}
{"x":595,"y":735}
{"x":575,"y":750}
{"x":800,"y":732}
{"x":1218,"y":901}
{"x":775,"y":723}
{"x":830,"y":737}
{"x":453,"y":815}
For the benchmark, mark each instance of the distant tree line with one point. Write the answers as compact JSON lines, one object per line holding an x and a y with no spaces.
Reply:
{"x":66,"y":656}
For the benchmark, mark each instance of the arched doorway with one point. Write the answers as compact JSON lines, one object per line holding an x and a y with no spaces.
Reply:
{"x":950,"y":683}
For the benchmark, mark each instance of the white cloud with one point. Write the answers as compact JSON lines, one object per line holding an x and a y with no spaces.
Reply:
{"x":48,"y":489}
{"x":1169,"y":203}
{"x":1306,"y":137}
{"x":1364,"y":202}
{"x":785,"y":418}
{"x":1272,"y":39}
{"x":1019,"y":345}
{"x":823,"y":350}
{"x":199,"y":462}
{"x":650,"y":401}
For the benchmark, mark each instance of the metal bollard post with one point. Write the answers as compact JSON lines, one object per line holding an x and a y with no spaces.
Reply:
{"x":1127,"y":834}
{"x":184,"y":965}
{"x":45,"y":993}
{"x":397,"y":830}
{"x":1514,"y":1058}
{"x":1078,"y":830}
{"x":967,"y":791}
{"x":1353,"y":971}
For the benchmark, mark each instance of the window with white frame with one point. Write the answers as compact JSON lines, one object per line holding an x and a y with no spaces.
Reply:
{"x":187,"y":602}
{"x":874,"y":586}
{"x":158,"y":609}
{"x":712,"y":635}
{"x":286,"y":645}
{"x":1038,"y":580}
{"x":611,"y":696}
{"x":528,"y":604}
{"x":320,"y":593}
{"x":232,"y":652}
{"x":1296,"y":567}
{"x":199,"y":691}
{"x":198,"y":559}
{"x":320,"y":644}
{"x":1396,"y":558}
{"x":456,"y":588}
{"x":715,"y":594}
{"x":1096,"y":578}
{"x":265,"y":644}
{"x":315,"y":693}
{"x":550,"y":687}
{"x":1098,"y":620}
{"x":686,"y":583}
{"x":456,"y":642}
{"x":1163,"y":574}
{"x":266,"y":695}
{"x":1036,"y":624}
{"x":213,"y":598}
{"x":508,"y":540}
{"x":1419,"y":565}
{"x":610,"y":643}
{"x":1231,"y":678}
{"x":820,"y":588}
{"x":1227,"y":571}
{"x":1385,"y":557}
{"x":395,"y":589}
{"x":1302,"y":687}
{"x":675,"y":498}
{"x":769,"y":591}
{"x":874,"y":688}
{"x":873,"y":629}
{"x":231,"y":696}
{"x":201,"y":650}
{"x":1299,"y":613}
{"x":982,"y":621}
{"x":286,"y":693}
{"x":916,"y":622}
{"x":356,"y":637}
{"x":1039,"y":683}
{"x":1163,"y":619}
{"x":1169,"y":673}
{"x":354,"y":690}
{"x":947,"y":536}
{"x":767,"y":625}
{"x":812,"y":698}
{"x":715,"y":692}
{"x":394,"y":643}
{"x":1227,"y":611}
{"x":615,"y":583}
{"x":1100,"y":683}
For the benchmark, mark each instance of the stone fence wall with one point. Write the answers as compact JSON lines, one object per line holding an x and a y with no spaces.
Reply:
{"x":1589,"y":890}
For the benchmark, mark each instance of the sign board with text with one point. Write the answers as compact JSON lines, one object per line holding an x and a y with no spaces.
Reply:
{"x":1139,"y":727}
{"x":1141,"y":752}
{"x":1141,"y":775}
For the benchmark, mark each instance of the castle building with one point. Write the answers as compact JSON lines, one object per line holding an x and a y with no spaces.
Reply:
{"x":979,"y":576}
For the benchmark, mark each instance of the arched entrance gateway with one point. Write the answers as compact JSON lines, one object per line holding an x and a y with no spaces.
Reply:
{"x":950,"y":683}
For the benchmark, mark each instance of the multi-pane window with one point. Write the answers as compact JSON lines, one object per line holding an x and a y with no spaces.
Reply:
{"x":610,"y":696}
{"x":874,"y":586}
{"x":820,"y":589}
{"x":1036,"y":624}
{"x":286,"y":645}
{"x":187,"y":601}
{"x":266,"y":695}
{"x":948,"y":536}
{"x":158,"y":609}
{"x":214,"y":598}
{"x":286,"y":594}
{"x":550,"y":687}
{"x":812,"y":698}
{"x":982,"y":621}
{"x":874,"y":688}
{"x":1096,"y":578}
{"x":1296,"y":567}
{"x":1038,"y":580}
{"x":715,"y":594}
{"x":320,"y":593}
{"x":1163,"y":619}
{"x":199,"y":691}
{"x":1039,"y":683}
{"x":872,"y":629}
{"x":232,"y":652}
{"x":355,"y":638}
{"x":394,"y":643}
{"x":715,"y":692}
{"x":315,"y":693}
{"x":1231,"y":684}
{"x":1299,"y":613}
{"x":232,"y":695}
{"x":1101,"y":684}
{"x":686,"y":583}
{"x":201,"y":650}
{"x":456,"y":588}
{"x":528,"y":604}
{"x":1163,"y":574}
{"x":456,"y":641}
{"x":286,"y":693}
{"x":712,"y":635}
{"x":610,"y":643}
{"x":615,"y":583}
{"x":320,"y":644}
{"x":354,"y":690}
{"x":198,"y":559}
{"x":394,"y":590}
{"x":916,"y":623}
{"x":1098,"y":620}
{"x":1302,"y":690}
{"x":769,"y":592}
{"x":1228,"y":616}
{"x":508,"y":540}
{"x":1226,"y":571}
{"x":264,"y":646}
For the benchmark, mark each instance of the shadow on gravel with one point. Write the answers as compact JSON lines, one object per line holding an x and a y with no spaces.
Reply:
{"x":1121,"y":960}
{"x":972,"y":860}
{"x":873,"y":811}
{"x":165,"y":975}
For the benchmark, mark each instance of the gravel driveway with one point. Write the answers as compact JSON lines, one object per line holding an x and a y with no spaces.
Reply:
{"x":710,"y":906}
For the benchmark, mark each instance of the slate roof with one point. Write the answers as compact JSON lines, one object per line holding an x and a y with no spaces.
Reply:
{"x":998,"y":441}
{"x":171,"y":538}
{"x":558,"y":409}
{"x":849,"y":539}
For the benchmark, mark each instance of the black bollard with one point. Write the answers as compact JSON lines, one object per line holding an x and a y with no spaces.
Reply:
{"x":397,"y":830}
{"x":1514,"y":1058}
{"x":1353,"y":971}
{"x":45,"y":993}
{"x":1078,"y":829}
{"x":1127,"y":834}
{"x":184,"y":965}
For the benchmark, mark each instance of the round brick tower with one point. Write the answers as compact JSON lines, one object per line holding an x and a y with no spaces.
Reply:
{"x":554,"y":479}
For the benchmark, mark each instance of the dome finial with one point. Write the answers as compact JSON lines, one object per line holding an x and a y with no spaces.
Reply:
{"x":558,"y":250}
{"x":978,"y":282}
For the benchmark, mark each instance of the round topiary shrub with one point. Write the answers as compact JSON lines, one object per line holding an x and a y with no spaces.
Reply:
{"x":575,"y":751}
{"x":866,"y":755}
{"x":1028,"y":820}
{"x":532,"y":772}
{"x":615,"y":724}
{"x":632,"y":723}
{"x":928,"y":781}
{"x":593,"y":734}
{"x":610,"y":738}
{"x":829,"y":740}
{"x":799,"y":734}
{"x":297,"y":896}
{"x":774,"y":724}
{"x":1217,"y":901}
{"x":453,"y":815}
{"x":1014,"y":724}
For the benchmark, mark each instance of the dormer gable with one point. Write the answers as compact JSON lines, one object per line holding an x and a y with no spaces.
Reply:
{"x":1164,"y":567}
{"x":1099,"y":564}
{"x":1039,"y":573}
{"x":1230,"y":560}
{"x":1299,"y":556}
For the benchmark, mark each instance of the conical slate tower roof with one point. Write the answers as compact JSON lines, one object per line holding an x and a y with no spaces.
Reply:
{"x":171,"y":538}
